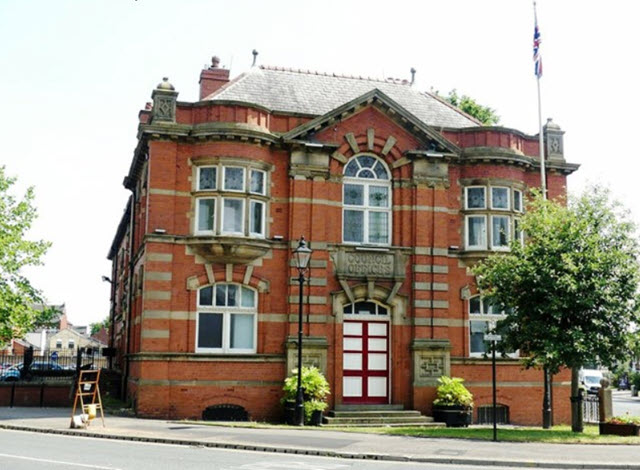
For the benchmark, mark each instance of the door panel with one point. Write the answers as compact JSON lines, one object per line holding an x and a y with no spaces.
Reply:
{"x":365,"y":362}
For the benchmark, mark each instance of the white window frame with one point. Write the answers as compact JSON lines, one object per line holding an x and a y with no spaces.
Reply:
{"x":490,"y":318}
{"x":482,"y":247}
{"x":71,"y":344}
{"x":516,"y":221}
{"x":507,"y":190}
{"x":264,"y":181}
{"x":215,"y":182}
{"x":517,"y":209}
{"x":227,"y":312}
{"x":244,"y":178}
{"x":243,"y":217}
{"x":508,"y":234}
{"x":366,"y":208}
{"x":197,"y":230}
{"x":466,"y":198}
{"x":261,"y":233}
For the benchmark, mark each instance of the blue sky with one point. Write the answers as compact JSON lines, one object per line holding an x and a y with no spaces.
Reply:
{"x":74,"y":75}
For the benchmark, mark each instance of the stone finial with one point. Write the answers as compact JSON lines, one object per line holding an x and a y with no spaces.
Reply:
{"x":165,"y":85}
{"x":413,"y":75}
{"x":215,"y":62}
{"x":255,"y":57}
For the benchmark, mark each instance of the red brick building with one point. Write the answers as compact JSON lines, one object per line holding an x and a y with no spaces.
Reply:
{"x":397,"y":193}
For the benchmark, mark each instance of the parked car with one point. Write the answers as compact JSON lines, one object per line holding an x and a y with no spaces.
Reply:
{"x":13,"y":373}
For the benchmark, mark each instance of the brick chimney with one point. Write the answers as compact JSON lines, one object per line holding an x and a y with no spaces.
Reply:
{"x":213,"y":78}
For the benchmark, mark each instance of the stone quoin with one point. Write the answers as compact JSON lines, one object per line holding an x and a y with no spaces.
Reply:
{"x":397,"y":193}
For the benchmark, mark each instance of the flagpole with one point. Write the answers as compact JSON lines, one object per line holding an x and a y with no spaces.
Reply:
{"x":543,"y":172}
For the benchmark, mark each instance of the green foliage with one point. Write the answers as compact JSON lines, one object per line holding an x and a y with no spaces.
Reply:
{"x":315,"y":389}
{"x":17,"y":295}
{"x":451,"y":392}
{"x":634,"y":379}
{"x":624,"y":419}
{"x":572,"y":285}
{"x":96,"y":327}
{"x":486,"y":115}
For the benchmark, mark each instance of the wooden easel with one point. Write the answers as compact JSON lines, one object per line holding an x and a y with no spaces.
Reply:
{"x":88,"y":392}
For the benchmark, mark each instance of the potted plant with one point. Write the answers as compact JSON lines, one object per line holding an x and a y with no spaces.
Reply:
{"x":315,"y":390}
{"x":625,"y":425}
{"x":453,"y":404}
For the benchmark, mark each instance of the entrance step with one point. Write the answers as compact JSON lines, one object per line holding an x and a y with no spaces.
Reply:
{"x":369,"y":416}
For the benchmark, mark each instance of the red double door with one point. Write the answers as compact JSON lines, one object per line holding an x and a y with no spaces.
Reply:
{"x":365,"y":362}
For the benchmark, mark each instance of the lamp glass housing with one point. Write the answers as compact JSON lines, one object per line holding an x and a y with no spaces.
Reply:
{"x":302,"y":255}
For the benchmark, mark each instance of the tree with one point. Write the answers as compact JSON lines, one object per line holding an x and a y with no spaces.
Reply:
{"x":18,"y":297}
{"x":572,"y":286}
{"x":96,"y":327}
{"x":486,"y":115}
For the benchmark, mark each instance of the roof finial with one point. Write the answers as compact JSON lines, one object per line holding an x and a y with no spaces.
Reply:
{"x":255,"y":57}
{"x":215,"y":62}
{"x":413,"y":75}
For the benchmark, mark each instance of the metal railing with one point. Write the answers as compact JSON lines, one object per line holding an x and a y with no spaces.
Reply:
{"x":591,"y":409}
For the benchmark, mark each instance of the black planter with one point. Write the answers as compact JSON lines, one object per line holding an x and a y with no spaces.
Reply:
{"x":316,"y":418}
{"x":453,"y":416}
{"x":290,"y":413}
{"x":622,"y":429}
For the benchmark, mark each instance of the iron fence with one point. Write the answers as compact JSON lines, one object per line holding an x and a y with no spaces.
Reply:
{"x":591,"y":409}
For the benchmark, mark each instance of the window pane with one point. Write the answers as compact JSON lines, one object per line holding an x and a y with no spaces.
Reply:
{"x":234,"y":179}
{"x":517,"y":200}
{"x":477,"y":331}
{"x":353,"y":226}
{"x":248,"y":298}
{"x":500,"y":198}
{"x":366,"y":174}
{"x":366,"y":308}
{"x":378,"y":227}
{"x":474,"y":305}
{"x":210,"y":330}
{"x":354,"y":194}
{"x":382,"y":310}
{"x":241,"y":332}
{"x":206,"y":296}
{"x":352,"y":168}
{"x":475,"y":198}
{"x":381,"y":171}
{"x":348,"y":308}
{"x":233,"y":209}
{"x":378,"y":196}
{"x":232,"y":295}
{"x":517,"y":231}
{"x":205,"y":214}
{"x":366,"y":162}
{"x":207,"y":178}
{"x":257,"y":182}
{"x":257,"y":215}
{"x":500,"y":231}
{"x":477,"y":232}
{"x":221,"y":295}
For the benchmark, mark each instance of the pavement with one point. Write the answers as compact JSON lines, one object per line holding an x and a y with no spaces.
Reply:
{"x":330,"y":443}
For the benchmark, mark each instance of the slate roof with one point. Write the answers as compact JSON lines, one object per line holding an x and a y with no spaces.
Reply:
{"x":313,"y":93}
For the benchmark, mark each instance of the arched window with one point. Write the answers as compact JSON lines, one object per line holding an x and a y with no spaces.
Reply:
{"x":226,"y":319}
{"x":365,"y":308}
{"x":366,"y":201}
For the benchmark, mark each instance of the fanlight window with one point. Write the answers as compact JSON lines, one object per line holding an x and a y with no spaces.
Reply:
{"x":366,"y":201}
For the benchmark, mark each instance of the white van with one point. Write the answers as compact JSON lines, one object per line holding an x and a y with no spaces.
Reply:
{"x":591,"y":378}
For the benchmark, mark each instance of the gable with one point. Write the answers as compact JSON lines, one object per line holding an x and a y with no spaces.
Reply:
{"x":364,"y":115}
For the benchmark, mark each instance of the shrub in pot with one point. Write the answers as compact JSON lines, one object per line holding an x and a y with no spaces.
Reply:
{"x":453,"y":404}
{"x":625,"y":425}
{"x":315,"y":390}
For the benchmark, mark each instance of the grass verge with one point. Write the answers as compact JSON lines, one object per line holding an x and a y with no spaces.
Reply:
{"x":555,"y":435}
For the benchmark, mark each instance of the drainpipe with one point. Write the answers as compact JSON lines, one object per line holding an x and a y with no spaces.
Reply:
{"x":125,"y":378}
{"x":433,"y":245}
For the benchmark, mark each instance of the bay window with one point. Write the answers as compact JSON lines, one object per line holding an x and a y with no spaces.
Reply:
{"x":230,"y":200}
{"x":490,"y":217}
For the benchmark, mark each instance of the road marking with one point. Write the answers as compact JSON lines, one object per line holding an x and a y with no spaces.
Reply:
{"x":22,"y":457}
{"x":290,"y":465}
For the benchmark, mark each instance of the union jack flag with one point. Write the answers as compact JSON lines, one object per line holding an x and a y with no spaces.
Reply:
{"x":537,"y":59}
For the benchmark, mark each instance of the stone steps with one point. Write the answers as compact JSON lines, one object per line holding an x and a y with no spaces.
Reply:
{"x":369,"y":416}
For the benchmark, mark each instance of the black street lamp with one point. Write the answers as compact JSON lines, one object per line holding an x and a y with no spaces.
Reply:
{"x":301,"y":255}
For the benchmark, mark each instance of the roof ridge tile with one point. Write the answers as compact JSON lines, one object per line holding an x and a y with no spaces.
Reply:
{"x":277,"y":68}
